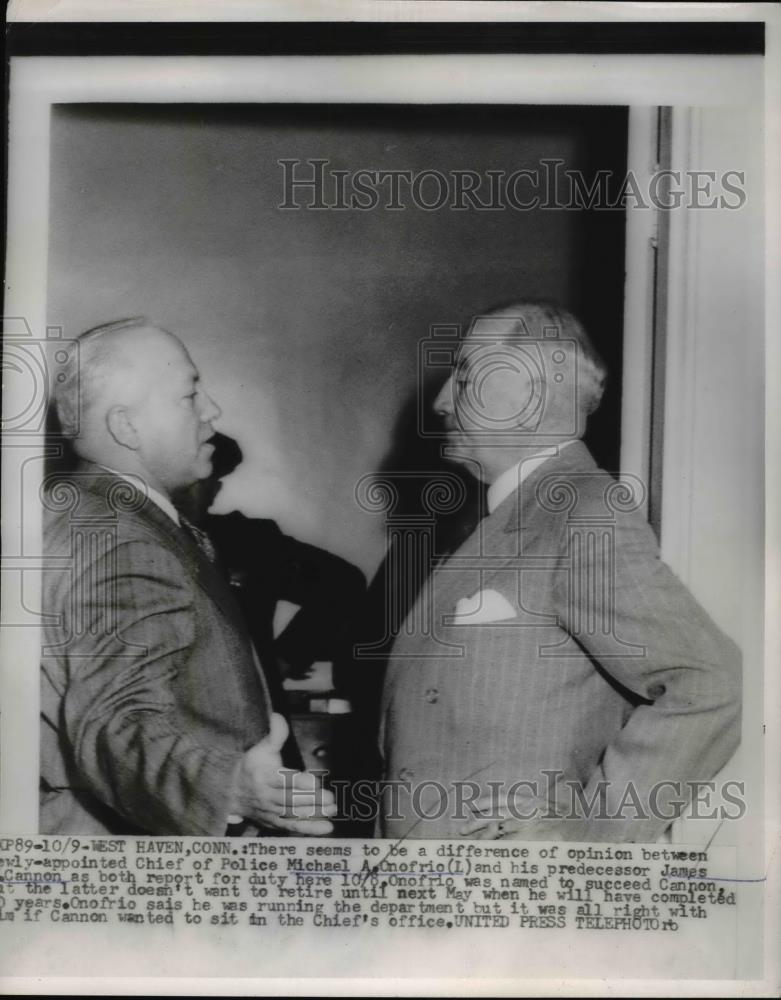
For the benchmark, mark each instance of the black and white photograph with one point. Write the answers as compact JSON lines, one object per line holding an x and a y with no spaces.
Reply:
{"x":386,"y":576}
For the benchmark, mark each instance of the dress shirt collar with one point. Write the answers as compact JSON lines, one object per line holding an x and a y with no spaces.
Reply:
{"x":154,"y":495}
{"x":511,"y":479}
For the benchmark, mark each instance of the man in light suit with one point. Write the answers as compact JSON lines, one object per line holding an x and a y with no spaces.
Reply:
{"x":155,"y":716}
{"x":567,"y":686}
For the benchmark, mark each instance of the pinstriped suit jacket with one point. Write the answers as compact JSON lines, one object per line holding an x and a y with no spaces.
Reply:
{"x":150,"y":693}
{"x":608,"y":672}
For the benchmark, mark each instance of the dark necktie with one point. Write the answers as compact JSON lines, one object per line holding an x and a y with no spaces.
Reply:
{"x":200,"y":538}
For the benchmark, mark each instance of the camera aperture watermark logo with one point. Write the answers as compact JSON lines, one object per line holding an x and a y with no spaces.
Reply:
{"x":32,"y":368}
{"x":501,"y":381}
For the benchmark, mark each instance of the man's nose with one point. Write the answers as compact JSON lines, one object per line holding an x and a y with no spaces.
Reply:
{"x":443,"y":404}
{"x":210,"y":410}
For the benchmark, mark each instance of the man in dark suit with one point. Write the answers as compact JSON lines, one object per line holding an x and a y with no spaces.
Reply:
{"x":569,"y":687}
{"x":265,"y":566}
{"x":155,"y":716}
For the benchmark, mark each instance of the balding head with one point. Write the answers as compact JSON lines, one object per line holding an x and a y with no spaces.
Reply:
{"x":104,"y":367}
{"x":527,"y":376}
{"x":131,"y":400}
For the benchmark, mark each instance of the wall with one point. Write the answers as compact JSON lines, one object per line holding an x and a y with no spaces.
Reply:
{"x":712,"y":498}
{"x":305,"y":323}
{"x":713,"y":484}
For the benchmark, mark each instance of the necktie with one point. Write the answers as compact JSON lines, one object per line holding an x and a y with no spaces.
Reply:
{"x":200,"y":538}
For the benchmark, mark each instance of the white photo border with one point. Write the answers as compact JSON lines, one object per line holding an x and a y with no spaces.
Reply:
{"x":38,"y":82}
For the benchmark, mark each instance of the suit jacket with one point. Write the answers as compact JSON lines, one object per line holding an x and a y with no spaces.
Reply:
{"x":586,"y":666}
{"x":150,"y":691}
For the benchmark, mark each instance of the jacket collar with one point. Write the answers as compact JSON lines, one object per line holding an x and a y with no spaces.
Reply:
{"x":122,"y":498}
{"x":524,"y":503}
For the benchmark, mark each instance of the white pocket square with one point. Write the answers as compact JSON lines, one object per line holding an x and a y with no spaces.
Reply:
{"x":483,"y":607}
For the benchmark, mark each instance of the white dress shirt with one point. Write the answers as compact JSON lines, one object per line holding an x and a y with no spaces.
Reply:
{"x":510,"y":480}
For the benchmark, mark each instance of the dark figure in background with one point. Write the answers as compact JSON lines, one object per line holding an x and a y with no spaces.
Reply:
{"x":265,"y":566}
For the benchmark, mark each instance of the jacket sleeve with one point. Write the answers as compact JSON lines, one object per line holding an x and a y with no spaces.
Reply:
{"x":276,"y":567}
{"x":132,"y":627}
{"x":330,"y":591}
{"x":643,"y":628}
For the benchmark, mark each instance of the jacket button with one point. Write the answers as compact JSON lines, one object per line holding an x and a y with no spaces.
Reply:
{"x":432,"y":695}
{"x":406,"y":774}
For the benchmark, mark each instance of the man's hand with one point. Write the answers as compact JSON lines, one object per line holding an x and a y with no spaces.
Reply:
{"x":268,"y":793}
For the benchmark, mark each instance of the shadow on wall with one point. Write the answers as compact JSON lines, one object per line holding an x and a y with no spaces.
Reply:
{"x":306,"y":323}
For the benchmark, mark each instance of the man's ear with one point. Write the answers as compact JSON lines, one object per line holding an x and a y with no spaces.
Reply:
{"x":121,"y":428}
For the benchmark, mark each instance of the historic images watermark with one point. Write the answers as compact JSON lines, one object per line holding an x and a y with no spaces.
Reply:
{"x":317,"y":185}
{"x":549,"y":797}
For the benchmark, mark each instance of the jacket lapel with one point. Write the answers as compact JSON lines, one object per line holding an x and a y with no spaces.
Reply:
{"x":520,"y":526}
{"x":545,"y":492}
{"x":121,"y":497}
